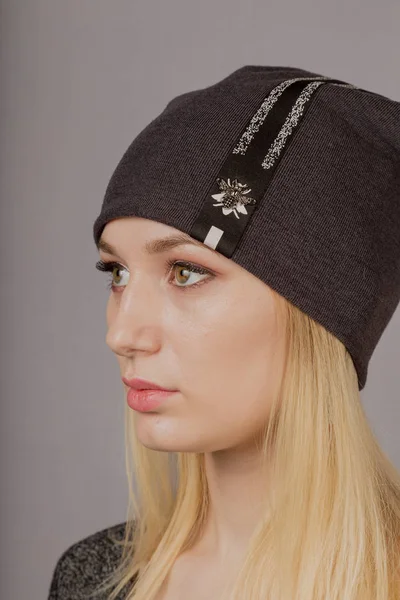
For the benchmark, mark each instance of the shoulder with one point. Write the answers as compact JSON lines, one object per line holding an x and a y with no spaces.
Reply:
{"x":86,"y":563}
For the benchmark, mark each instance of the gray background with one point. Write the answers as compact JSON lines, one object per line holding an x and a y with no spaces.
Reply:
{"x":79,"y":80}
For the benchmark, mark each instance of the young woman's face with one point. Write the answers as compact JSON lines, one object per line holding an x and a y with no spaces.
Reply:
{"x":213,"y":336}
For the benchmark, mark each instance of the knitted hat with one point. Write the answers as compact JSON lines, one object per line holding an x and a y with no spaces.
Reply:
{"x":293,"y":175}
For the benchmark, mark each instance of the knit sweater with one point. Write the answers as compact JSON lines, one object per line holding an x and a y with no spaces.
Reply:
{"x":86,"y":564}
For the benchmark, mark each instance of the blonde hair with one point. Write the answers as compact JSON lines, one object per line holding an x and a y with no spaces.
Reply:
{"x":332,"y":527}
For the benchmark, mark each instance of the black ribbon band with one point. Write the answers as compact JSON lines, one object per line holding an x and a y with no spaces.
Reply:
{"x":243,"y":180}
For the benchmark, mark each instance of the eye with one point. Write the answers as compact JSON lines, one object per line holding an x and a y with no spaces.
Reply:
{"x":183,"y":269}
{"x":112,"y":268}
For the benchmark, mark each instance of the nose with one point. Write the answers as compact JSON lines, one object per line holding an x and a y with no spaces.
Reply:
{"x":134,"y":319}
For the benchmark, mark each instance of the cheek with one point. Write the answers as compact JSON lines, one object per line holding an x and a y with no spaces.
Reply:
{"x":236,"y":401}
{"x":230,"y":360}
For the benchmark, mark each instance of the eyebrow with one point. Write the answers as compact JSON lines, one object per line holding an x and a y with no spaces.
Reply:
{"x":156,"y":246}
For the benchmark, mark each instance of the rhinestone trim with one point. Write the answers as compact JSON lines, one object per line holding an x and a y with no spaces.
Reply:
{"x":289,"y":124}
{"x":259,"y":117}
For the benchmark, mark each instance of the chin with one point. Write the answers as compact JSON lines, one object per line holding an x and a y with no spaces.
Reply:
{"x":164,"y":442}
{"x":167,"y":444}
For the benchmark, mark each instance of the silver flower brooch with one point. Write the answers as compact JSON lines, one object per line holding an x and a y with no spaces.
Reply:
{"x":233,"y":197}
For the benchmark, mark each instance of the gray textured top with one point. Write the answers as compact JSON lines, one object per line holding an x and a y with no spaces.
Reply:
{"x":86,"y":564}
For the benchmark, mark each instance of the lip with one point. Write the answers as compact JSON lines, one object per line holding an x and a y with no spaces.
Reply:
{"x":146,"y":400}
{"x":137,"y":383}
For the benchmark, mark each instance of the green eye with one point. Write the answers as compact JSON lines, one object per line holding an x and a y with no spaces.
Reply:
{"x":113,"y":273}
{"x":111,"y":268}
{"x":183,"y":279}
{"x":190,"y":268}
{"x":114,"y":269}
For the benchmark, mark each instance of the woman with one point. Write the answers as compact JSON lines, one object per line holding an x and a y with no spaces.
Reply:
{"x":251,"y":238}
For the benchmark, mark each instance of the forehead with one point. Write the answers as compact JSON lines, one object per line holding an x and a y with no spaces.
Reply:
{"x":151,"y":236}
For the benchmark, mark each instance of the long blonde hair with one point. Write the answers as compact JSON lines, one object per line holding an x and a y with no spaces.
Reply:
{"x":332,"y":527}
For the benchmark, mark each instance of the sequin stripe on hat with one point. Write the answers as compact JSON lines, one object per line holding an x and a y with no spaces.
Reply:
{"x":248,"y":170}
{"x":259,"y":117}
{"x":291,"y":122}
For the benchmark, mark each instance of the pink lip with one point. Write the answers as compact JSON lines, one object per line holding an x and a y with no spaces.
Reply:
{"x":146,"y":400}
{"x":142,"y":384}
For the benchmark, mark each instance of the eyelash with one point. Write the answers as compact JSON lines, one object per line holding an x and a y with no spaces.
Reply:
{"x":109,"y":266}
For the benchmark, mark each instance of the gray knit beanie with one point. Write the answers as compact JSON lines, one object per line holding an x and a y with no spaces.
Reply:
{"x":293,"y":175}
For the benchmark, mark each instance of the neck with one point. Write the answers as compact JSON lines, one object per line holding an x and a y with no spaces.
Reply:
{"x":237,"y":485}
